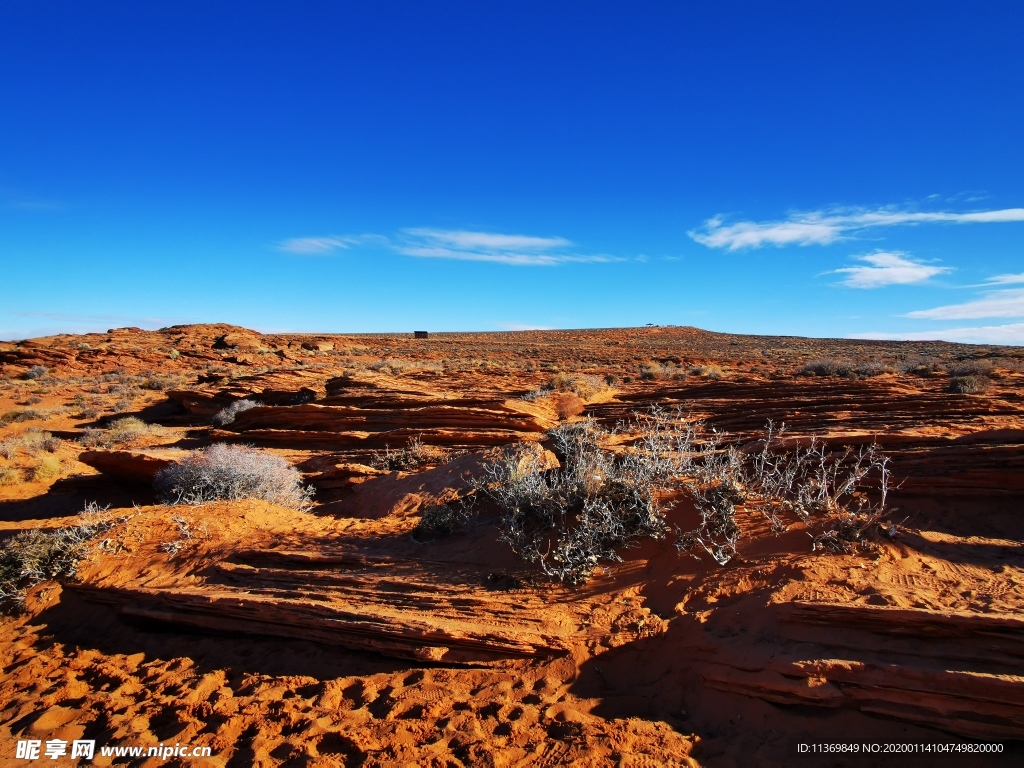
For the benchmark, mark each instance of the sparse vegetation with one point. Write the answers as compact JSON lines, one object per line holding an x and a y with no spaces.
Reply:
{"x":119,"y":431}
{"x":36,"y":372}
{"x":232,"y":472}
{"x":34,"y":556}
{"x":969,"y":385}
{"x":413,"y":456}
{"x":227,"y":415}
{"x":571,"y":519}
{"x":28,"y":414}
{"x":48,"y":468}
{"x":9,"y":476}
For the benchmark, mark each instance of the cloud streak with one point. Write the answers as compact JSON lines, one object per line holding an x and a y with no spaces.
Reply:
{"x":888,"y":268}
{"x":456,"y":245}
{"x":832,"y":225}
{"x":1012,"y":334}
{"x":513,"y":250}
{"x":1006,"y":302}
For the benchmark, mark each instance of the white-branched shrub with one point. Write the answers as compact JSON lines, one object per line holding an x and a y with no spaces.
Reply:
{"x":34,"y":556}
{"x":227,"y":415}
{"x":571,"y":519}
{"x":232,"y":472}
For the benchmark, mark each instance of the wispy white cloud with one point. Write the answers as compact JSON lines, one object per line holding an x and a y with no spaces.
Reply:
{"x":1012,"y":334}
{"x":488,"y":241}
{"x":1006,"y":279}
{"x":831,"y":225}
{"x":455,"y":244}
{"x":514,"y":250}
{"x":1006,"y":302}
{"x":888,"y":268}
{"x":312,"y":246}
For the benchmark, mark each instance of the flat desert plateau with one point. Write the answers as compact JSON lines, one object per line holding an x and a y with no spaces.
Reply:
{"x":412,"y":614}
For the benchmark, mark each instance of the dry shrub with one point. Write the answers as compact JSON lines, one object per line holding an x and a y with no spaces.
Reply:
{"x":974,"y":368}
{"x":227,"y":415}
{"x":232,"y":472}
{"x":585,"y":386}
{"x":36,"y":372}
{"x":567,"y":520}
{"x":123,"y":430}
{"x":969,"y":385}
{"x":709,"y":371}
{"x":569,"y":405}
{"x":413,"y":456}
{"x":439,"y":520}
{"x":9,"y":448}
{"x":572,"y":519}
{"x":47,"y":469}
{"x":28,"y":414}
{"x":34,"y":556}
{"x":830,"y":366}
{"x":9,"y":476}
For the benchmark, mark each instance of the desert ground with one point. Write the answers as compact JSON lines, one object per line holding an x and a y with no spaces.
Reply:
{"x":398,"y":617}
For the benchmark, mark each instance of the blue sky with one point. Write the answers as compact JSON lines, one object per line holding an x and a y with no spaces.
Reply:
{"x":823,"y":169}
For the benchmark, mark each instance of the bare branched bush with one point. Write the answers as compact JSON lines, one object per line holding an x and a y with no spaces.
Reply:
{"x":571,"y":519}
{"x":35,"y":556}
{"x":438,"y":520}
{"x":829,"y":367}
{"x":9,"y":447}
{"x":569,"y":405}
{"x":413,"y":456}
{"x":227,"y":415}
{"x":36,"y":372}
{"x":232,"y":472}
{"x":969,"y":385}
{"x":971,"y":368}
{"x":709,"y":371}
{"x":124,"y":430}
{"x":28,"y":414}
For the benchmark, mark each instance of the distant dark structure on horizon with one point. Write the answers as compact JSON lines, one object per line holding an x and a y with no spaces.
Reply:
{"x":420,"y":335}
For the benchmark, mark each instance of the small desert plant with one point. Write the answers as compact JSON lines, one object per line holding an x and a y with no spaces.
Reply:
{"x":969,"y":385}
{"x":227,"y":415}
{"x":9,"y":447}
{"x":971,"y":368}
{"x":35,"y":440}
{"x":36,"y":372}
{"x":28,"y":414}
{"x":871,"y":369}
{"x":48,"y":468}
{"x":439,"y":520}
{"x":568,"y":405}
{"x":709,"y":371}
{"x":233,"y":472}
{"x":829,"y":367}
{"x":35,"y":556}
{"x":9,"y":476}
{"x":174,"y":354}
{"x":414,"y":455}
{"x":127,"y":429}
{"x":123,"y":430}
